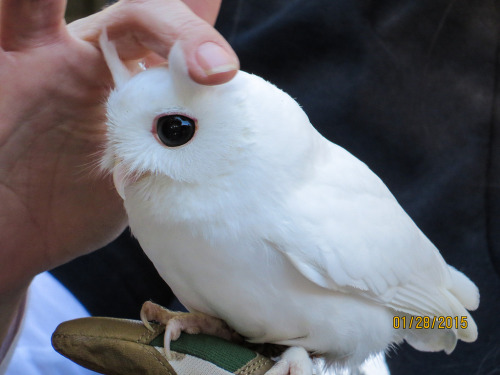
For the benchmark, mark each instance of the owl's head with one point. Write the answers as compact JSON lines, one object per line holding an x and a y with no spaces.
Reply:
{"x":162,"y":123}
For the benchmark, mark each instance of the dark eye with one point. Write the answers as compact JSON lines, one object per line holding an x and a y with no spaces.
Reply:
{"x":175,"y":130}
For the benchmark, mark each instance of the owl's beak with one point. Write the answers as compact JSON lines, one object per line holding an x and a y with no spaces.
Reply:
{"x":119,"y":178}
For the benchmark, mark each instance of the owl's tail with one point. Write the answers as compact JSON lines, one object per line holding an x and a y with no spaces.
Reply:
{"x":457,"y":324}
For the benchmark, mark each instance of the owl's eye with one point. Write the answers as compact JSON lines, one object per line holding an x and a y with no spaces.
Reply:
{"x":175,"y":130}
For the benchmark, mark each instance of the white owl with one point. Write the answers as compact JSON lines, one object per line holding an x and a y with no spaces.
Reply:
{"x":254,"y":218}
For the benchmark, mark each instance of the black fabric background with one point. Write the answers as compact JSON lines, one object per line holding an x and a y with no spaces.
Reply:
{"x":409,"y":87}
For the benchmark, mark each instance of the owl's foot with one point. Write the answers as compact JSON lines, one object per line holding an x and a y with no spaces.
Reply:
{"x":294,"y":361}
{"x":178,"y":322}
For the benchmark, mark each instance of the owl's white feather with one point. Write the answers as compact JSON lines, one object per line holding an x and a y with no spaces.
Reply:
{"x":262,"y":222}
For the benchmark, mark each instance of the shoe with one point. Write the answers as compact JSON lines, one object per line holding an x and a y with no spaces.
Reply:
{"x":126,"y":347}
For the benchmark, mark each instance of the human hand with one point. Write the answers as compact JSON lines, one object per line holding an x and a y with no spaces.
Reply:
{"x":54,"y":81}
{"x":147,"y":29}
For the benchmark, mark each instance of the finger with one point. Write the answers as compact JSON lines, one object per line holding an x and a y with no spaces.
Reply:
{"x":209,"y":57}
{"x":29,"y":23}
{"x":141,"y":26}
{"x":205,"y":9}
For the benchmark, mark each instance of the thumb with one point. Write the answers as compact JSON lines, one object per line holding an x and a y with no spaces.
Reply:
{"x":30,"y":23}
{"x":141,"y":26}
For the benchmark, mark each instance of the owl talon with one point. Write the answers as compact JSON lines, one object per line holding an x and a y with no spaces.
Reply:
{"x":144,"y":319}
{"x":178,"y":322}
{"x":166,"y":344}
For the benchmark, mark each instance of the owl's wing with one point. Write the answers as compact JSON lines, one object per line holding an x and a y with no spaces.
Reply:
{"x":354,"y":237}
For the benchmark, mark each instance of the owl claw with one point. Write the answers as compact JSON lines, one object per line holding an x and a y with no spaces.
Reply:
{"x":178,"y":322}
{"x":166,"y":344}
{"x":144,"y":319}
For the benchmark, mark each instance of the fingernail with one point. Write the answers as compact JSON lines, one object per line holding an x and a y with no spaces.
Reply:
{"x":213,"y":59}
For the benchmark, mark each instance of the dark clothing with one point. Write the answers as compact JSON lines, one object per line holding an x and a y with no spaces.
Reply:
{"x":410,"y":88}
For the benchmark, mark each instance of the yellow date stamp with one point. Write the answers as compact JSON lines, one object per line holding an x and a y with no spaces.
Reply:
{"x":429,"y":322}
